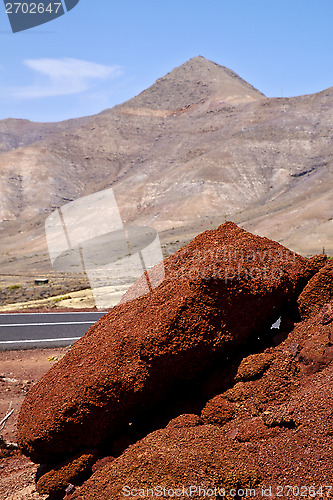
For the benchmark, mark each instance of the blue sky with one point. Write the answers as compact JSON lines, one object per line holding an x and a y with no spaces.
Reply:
{"x":103,"y":52}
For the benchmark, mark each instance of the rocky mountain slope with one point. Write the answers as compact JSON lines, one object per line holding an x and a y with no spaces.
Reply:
{"x":198,"y":147}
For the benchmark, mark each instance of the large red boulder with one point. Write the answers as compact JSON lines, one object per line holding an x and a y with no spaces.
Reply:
{"x":220,"y":289}
{"x":271,"y":432}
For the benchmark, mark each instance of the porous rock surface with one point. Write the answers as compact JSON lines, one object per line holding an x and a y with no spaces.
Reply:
{"x":171,"y":459}
{"x":220,"y":289}
{"x":253,"y":366}
{"x":278,"y":435}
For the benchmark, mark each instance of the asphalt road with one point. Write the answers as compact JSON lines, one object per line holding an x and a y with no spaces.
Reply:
{"x":35,"y":330}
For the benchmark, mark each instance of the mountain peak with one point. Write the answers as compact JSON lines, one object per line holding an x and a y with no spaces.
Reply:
{"x":195,"y":81}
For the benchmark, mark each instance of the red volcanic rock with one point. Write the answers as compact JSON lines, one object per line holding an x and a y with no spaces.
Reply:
{"x":262,"y":403}
{"x":218,"y":290}
{"x":55,"y":482}
{"x":171,"y":459}
{"x":185,"y":420}
{"x":315,"y":263}
{"x":252,"y":429}
{"x":253,"y":366}
{"x":317,"y":292}
{"x":218,"y":411}
{"x":326,"y":314}
{"x":279,"y":416}
{"x":102,"y":462}
{"x":280,"y":434}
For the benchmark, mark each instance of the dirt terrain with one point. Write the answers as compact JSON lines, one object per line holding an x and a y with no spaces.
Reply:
{"x":198,"y":147}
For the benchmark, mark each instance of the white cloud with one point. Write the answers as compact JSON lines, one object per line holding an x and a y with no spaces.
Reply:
{"x":63,"y":77}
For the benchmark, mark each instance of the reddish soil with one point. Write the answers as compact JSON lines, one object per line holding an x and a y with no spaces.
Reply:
{"x":51,"y":310}
{"x":137,"y":354}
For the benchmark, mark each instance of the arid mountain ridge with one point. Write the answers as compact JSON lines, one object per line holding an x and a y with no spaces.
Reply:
{"x":198,"y":147}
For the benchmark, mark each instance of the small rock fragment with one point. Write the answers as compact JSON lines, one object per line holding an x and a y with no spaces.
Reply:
{"x":281,"y":416}
{"x":219,"y":290}
{"x":253,"y":366}
{"x":326,"y":314}
{"x":317,"y":292}
{"x":186,"y":420}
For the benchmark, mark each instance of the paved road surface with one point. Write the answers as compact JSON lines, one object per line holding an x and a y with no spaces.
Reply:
{"x":35,"y":330}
